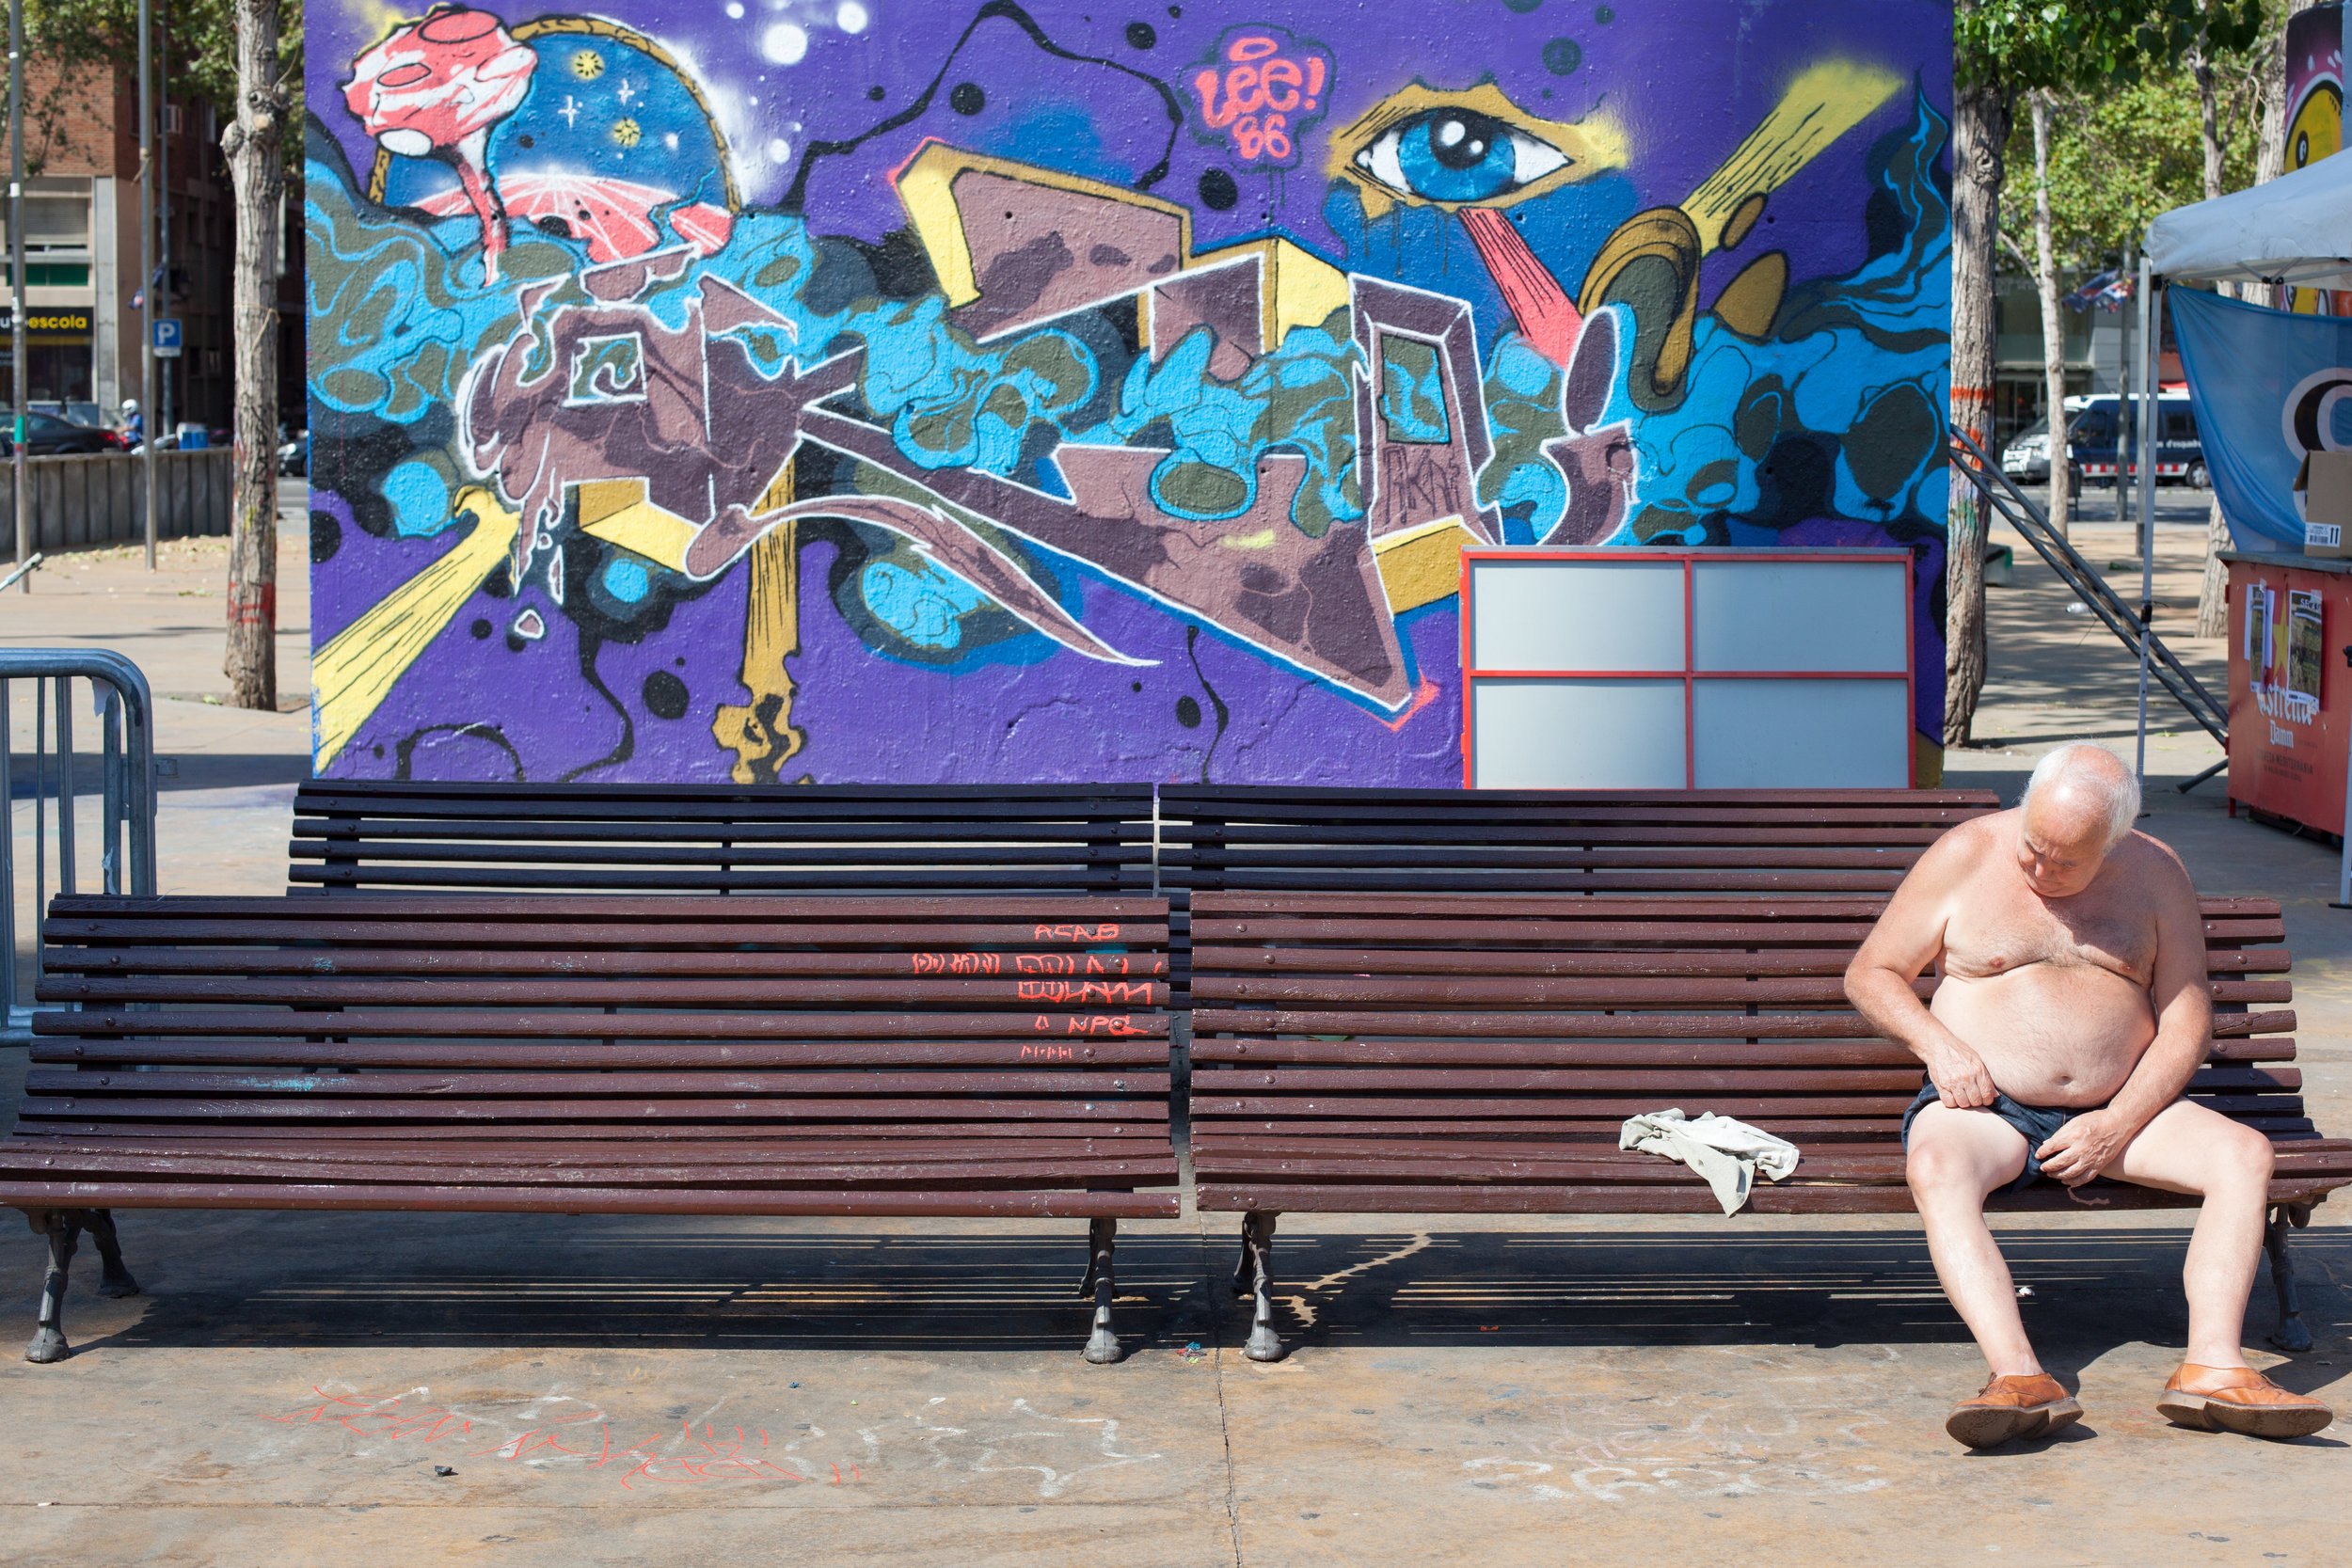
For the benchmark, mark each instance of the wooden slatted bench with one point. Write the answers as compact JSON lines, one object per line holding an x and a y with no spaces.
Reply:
{"x":800,"y":839}
{"x":620,"y":1056}
{"x":1466,"y":1054}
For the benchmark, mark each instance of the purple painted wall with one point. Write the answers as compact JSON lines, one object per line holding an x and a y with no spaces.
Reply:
{"x":861,"y":390}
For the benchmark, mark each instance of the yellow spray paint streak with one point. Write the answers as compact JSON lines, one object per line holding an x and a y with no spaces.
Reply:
{"x":760,"y":733}
{"x":1819,"y":107}
{"x":356,"y":671}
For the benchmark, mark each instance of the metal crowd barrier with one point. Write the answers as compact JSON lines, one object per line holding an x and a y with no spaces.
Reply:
{"x":52,"y":774}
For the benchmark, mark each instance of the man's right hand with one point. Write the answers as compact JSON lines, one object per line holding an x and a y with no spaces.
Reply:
{"x":1961,"y":1079}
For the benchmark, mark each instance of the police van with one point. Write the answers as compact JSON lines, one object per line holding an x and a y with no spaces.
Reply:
{"x":2090,"y":446}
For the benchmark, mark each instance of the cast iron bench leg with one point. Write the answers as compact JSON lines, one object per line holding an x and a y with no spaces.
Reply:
{"x":1257,"y":1241}
{"x":1101,"y":1283}
{"x":2290,"y":1335}
{"x":116,"y":1278}
{"x":62,"y":1227}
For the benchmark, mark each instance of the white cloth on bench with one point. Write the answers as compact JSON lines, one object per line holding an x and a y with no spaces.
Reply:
{"x":1726,"y":1152}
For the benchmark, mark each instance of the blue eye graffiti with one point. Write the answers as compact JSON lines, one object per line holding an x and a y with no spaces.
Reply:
{"x":1458,"y":155}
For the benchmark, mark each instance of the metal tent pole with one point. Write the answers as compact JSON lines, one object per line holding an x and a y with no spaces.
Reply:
{"x":2144,"y":450}
{"x":23,"y":500}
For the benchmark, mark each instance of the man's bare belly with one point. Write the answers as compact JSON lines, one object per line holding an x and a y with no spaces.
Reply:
{"x":2051,"y":1034}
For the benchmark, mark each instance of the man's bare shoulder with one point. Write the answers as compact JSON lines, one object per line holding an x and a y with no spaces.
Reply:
{"x":1964,"y":848}
{"x":2150,"y":863}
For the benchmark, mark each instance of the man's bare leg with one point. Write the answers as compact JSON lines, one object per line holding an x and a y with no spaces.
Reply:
{"x":1958,"y":1159}
{"x":2188,"y":1149}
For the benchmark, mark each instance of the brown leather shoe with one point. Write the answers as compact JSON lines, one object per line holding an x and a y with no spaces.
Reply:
{"x":2010,"y":1407}
{"x":2238,"y":1398}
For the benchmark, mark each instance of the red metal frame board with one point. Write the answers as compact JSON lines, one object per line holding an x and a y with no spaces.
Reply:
{"x":1689,"y":674}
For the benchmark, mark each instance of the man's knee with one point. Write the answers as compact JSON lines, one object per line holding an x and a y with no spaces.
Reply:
{"x":1940,"y":1173}
{"x":2244,"y":1155}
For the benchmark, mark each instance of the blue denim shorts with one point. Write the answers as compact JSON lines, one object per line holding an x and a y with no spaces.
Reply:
{"x":2038,"y":1123}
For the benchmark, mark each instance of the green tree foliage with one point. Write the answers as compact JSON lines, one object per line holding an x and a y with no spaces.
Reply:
{"x":89,"y":40}
{"x":2117,"y":159}
{"x":2085,"y":45}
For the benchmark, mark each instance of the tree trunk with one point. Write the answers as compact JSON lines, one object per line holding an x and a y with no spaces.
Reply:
{"x":2213,"y":610}
{"x":2270,"y":154}
{"x":1981,"y":121}
{"x":257,"y":171}
{"x":2052,"y":324}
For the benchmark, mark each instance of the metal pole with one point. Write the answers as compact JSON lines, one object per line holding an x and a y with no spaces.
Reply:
{"x":146,"y":271}
{"x":165,"y":374}
{"x":2126,"y":378}
{"x":16,"y":274}
{"x":2145,"y":449}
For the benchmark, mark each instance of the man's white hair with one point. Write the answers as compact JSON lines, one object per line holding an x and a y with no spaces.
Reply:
{"x":2116,"y":785}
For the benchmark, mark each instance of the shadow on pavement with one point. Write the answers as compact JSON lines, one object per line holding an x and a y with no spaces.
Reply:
{"x":487,"y":1281}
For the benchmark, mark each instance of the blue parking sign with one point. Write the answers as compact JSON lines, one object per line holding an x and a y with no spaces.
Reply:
{"x":167,"y":340}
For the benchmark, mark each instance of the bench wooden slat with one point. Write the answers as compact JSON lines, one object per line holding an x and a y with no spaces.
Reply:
{"x":570,"y":961}
{"x":457,"y":1198}
{"x":612,"y":1134}
{"x":322,"y":1110}
{"x":1688,"y":1197}
{"x":489,"y":1024}
{"x":1043,"y":992}
{"x":600,"y":1054}
{"x":1860,"y":1051}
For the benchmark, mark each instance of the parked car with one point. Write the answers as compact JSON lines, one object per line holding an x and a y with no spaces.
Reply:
{"x":47,"y":436}
{"x":72,"y":412}
{"x":293,"y":454}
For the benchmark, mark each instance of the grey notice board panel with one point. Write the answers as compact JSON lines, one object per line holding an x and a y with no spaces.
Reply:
{"x":1817,"y":616}
{"x":1713,"y":669}
{"x":1609,"y":733}
{"x":1613,"y":615}
{"x":1801,"y":735}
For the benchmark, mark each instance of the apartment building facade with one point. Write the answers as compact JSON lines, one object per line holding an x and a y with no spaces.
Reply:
{"x":82,"y":286}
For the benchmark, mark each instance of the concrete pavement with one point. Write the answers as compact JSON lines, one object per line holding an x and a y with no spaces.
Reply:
{"x":1543,"y":1390}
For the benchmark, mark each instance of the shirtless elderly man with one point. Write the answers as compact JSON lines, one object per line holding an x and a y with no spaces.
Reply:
{"x":2072,"y":1010}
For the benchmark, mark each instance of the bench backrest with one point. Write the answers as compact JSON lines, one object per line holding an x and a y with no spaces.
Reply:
{"x":422,"y":1017}
{"x":799,"y":839}
{"x":1714,"y":842}
{"x":1514,"y":1017}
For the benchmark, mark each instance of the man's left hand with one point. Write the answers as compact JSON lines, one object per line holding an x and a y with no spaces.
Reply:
{"x":2083,"y":1147}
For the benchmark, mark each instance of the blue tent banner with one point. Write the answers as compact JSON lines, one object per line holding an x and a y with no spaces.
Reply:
{"x":2269,"y":388}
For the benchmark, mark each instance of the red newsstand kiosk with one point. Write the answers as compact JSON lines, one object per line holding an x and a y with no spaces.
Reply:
{"x":2290,"y":687}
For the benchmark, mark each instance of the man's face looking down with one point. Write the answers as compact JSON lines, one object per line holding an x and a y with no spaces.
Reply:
{"x":2063,"y":841}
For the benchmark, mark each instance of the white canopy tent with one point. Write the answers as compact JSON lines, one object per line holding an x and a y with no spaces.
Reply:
{"x":2296,"y":228}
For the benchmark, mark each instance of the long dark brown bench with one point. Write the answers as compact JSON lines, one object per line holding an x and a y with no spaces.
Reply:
{"x":857,"y":839}
{"x":1476,"y":1054}
{"x":614,"y":1056}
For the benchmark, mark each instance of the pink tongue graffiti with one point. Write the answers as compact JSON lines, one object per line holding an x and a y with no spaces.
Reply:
{"x":434,"y":88}
{"x":1548,"y":320}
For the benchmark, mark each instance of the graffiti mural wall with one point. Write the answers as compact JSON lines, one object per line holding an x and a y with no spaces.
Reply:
{"x":972,"y":390}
